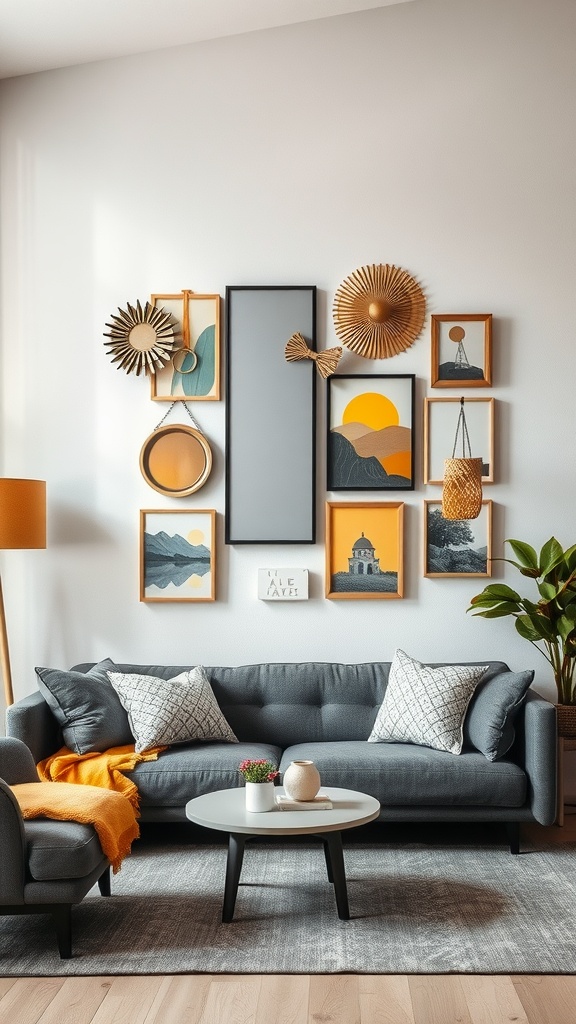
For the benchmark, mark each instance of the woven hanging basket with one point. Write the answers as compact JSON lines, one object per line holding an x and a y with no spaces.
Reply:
{"x":462,"y":491}
{"x":566,"y":719}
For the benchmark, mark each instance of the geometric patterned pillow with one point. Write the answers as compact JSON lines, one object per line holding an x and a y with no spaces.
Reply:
{"x":166,"y":711}
{"x":426,"y":705}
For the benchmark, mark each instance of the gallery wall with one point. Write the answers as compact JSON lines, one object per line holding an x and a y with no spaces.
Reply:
{"x":437,"y":136}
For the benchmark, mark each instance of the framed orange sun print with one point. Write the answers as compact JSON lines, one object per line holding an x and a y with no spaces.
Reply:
{"x":364,"y":550}
{"x":370,"y":432}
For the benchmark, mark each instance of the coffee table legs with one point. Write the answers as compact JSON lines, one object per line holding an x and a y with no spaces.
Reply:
{"x":336,"y":873}
{"x":236,"y":844}
{"x":332,"y":842}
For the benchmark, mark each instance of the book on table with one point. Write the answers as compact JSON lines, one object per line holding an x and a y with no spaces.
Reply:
{"x":319,"y":803}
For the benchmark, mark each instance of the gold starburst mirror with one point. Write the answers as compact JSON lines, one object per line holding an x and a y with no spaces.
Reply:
{"x":379,"y":311}
{"x":142,"y":339}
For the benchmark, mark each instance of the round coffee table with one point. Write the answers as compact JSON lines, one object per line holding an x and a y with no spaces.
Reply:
{"x":225,"y":811}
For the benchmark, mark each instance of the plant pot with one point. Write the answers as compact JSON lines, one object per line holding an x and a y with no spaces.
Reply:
{"x":301,"y":780}
{"x":259,"y":797}
{"x":566,"y":719}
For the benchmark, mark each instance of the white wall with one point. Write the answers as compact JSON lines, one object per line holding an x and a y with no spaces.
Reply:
{"x":436,"y":135}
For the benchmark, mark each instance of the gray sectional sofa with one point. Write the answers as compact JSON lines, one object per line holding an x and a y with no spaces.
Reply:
{"x":506,"y":771}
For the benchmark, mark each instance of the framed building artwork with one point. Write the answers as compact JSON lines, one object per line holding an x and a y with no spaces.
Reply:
{"x":177,"y":555}
{"x":193,"y":372}
{"x":461,"y":350}
{"x":455,"y":547}
{"x":370,"y":432}
{"x":440,"y":423}
{"x":364,"y":550}
{"x":270,"y":416}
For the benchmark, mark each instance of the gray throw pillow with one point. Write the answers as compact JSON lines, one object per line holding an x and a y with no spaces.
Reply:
{"x":166,"y":711}
{"x":425,"y":704}
{"x":87,"y":707}
{"x":489,"y":723}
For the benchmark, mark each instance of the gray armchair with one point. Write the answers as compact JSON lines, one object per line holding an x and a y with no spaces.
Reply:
{"x":47,"y":866}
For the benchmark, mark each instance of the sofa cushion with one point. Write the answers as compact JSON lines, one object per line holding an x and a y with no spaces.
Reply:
{"x":425,"y":704}
{"x":186,"y":771}
{"x":61,"y":849}
{"x":404,"y":774}
{"x":86,"y":706}
{"x":489,"y":722}
{"x":167,"y":711}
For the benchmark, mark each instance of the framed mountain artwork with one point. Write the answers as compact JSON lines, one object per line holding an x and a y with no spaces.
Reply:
{"x":177,"y":555}
{"x":370,"y":435}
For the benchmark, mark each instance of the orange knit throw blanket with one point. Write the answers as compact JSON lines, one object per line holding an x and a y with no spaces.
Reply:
{"x":111,"y":814}
{"x":105,"y":770}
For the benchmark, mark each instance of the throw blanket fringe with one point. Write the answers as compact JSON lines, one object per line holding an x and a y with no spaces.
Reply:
{"x":111,"y":814}
{"x":98,"y":769}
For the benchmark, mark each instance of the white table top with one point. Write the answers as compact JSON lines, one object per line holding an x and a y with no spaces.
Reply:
{"x":226,"y":811}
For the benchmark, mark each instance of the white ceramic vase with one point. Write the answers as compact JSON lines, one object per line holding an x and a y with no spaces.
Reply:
{"x":301,"y":780}
{"x":259,"y":796}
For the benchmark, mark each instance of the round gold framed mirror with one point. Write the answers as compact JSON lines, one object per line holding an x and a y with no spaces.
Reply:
{"x":176,"y":460}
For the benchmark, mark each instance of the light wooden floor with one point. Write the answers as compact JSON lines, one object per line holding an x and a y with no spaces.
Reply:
{"x":299,"y":999}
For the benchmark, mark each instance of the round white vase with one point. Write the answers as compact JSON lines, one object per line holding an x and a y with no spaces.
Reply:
{"x":259,"y":796}
{"x":301,"y":780}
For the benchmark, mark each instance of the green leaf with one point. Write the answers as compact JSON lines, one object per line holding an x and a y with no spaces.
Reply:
{"x":547,"y":591}
{"x":525,"y":553}
{"x":542,"y":625}
{"x":526,"y":630}
{"x":498,"y":612}
{"x":500,"y":591}
{"x":565,"y":626}
{"x":550,"y":556}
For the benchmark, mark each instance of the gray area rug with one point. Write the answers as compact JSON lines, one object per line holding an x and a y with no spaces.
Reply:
{"x":415,"y":908}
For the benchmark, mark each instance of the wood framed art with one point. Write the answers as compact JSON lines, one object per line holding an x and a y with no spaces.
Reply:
{"x":457,"y":547}
{"x":364,"y":550}
{"x":440,"y":422}
{"x":178,"y":555}
{"x":370,"y":432}
{"x":461,"y":350}
{"x":176,"y":460}
{"x":193,"y":373}
{"x":270,"y":416}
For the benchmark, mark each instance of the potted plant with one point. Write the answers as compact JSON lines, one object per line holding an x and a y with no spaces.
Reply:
{"x":259,"y":776}
{"x":549,"y":622}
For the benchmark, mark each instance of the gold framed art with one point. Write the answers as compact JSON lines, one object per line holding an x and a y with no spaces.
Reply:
{"x":178,"y":555}
{"x":461,"y":350}
{"x":193,"y":373}
{"x":457,"y":548}
{"x":364,"y":550}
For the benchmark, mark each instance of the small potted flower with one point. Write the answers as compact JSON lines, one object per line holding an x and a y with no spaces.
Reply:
{"x":259,"y":776}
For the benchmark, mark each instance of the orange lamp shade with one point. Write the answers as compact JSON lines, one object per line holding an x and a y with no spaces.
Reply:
{"x":22,"y":513}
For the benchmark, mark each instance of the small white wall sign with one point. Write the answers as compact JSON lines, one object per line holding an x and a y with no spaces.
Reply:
{"x":283,"y":584}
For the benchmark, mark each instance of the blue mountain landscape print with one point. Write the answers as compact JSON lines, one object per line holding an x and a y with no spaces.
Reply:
{"x":173,"y":559}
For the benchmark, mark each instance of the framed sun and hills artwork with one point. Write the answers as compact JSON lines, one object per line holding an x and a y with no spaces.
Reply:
{"x":370,"y":443}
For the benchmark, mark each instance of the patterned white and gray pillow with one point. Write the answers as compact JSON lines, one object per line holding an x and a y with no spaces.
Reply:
{"x":426,"y":705}
{"x":163,"y":712}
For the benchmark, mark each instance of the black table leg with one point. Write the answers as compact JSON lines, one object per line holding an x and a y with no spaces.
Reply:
{"x":335,"y":862}
{"x":327,"y":858}
{"x":236,"y":844}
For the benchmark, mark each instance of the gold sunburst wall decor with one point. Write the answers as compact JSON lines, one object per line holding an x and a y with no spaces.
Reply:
{"x":379,"y":311}
{"x":142,"y":339}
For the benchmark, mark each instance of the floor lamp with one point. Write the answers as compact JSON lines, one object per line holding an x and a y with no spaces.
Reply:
{"x":22,"y":525}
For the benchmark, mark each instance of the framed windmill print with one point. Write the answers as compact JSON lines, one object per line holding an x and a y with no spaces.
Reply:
{"x":370,"y":435}
{"x":440,"y":424}
{"x":457,"y":547}
{"x":364,"y":550}
{"x":193,"y":372}
{"x":177,"y":555}
{"x":461,"y":350}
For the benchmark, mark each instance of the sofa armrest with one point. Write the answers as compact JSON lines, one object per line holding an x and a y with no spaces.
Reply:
{"x":32,"y":721}
{"x":12,"y":849}
{"x":541,"y":756}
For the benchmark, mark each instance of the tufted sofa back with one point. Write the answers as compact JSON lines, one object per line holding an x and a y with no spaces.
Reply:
{"x":287,"y":703}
